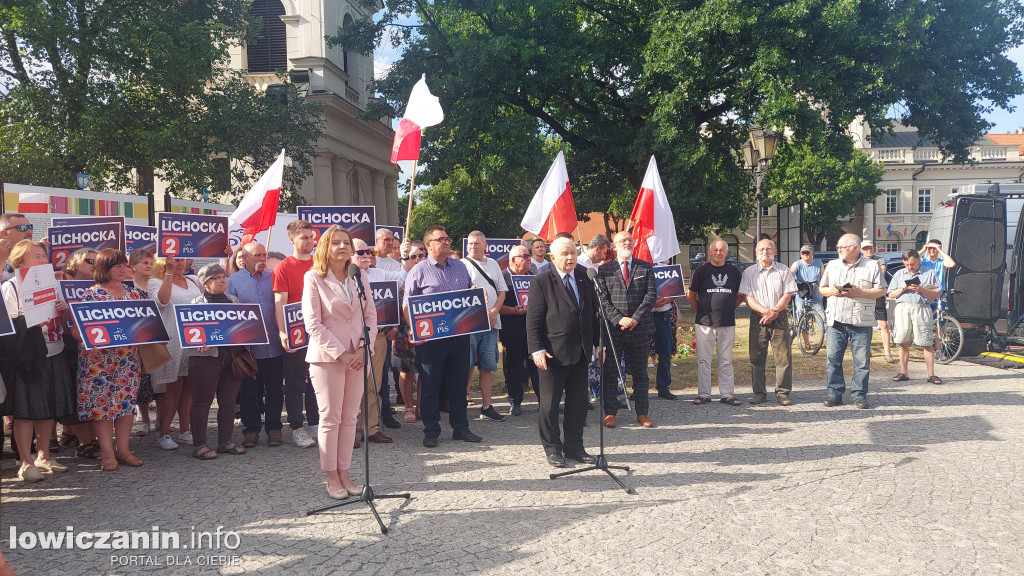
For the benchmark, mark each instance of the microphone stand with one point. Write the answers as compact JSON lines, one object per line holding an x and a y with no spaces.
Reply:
{"x":368,"y":494}
{"x":602,"y":460}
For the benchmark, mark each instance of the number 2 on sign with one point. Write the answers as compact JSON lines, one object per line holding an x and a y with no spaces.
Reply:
{"x":59,"y":258}
{"x":98,"y":336}
{"x":195,"y":336}
{"x":424,"y":328}
{"x":170,"y":246}
{"x":298,"y":337}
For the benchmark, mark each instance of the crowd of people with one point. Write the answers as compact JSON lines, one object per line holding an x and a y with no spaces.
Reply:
{"x":554,"y":342}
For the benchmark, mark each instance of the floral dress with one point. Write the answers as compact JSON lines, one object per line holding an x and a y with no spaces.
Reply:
{"x":108,"y":378}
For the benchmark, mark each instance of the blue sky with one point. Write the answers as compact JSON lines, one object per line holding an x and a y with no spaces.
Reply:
{"x":1010,"y":121}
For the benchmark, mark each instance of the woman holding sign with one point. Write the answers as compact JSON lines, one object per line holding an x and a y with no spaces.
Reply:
{"x":41,"y":389}
{"x":108,"y":378}
{"x":330,"y":306}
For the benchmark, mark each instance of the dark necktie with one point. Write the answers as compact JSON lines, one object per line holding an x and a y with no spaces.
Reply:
{"x":572,"y":290}
{"x":625,"y":273}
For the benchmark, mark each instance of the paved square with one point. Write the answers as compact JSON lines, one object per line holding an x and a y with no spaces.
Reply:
{"x":928,"y":482}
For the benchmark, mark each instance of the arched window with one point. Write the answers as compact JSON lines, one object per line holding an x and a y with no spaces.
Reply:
{"x":269,"y":52}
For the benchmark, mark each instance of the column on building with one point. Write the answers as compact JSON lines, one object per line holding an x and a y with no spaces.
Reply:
{"x":322,"y":179}
{"x":342,"y":191}
{"x":379,"y":201}
{"x":362,"y":191}
{"x":391,"y":200}
{"x":869,"y":222}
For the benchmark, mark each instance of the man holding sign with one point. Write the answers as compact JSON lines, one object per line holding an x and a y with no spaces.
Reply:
{"x":513,"y":331}
{"x":443,"y":362}
{"x":14,"y":228}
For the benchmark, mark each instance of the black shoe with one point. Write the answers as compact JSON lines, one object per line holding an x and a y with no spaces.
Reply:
{"x":515,"y":410}
{"x":556,"y":460}
{"x":666,"y":394}
{"x":582,"y":456}
{"x":465,"y":436}
{"x":430,"y":441}
{"x":590,"y":405}
{"x":632,"y":397}
{"x":861,"y":403}
{"x":391,"y":422}
{"x":833,"y":401}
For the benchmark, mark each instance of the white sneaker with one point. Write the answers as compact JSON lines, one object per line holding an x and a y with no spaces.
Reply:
{"x":186,"y":438}
{"x":167,"y":443}
{"x":301,"y":438}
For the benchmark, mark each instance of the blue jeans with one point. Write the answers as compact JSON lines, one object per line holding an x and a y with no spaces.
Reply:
{"x":663,"y":348}
{"x":840,"y":335}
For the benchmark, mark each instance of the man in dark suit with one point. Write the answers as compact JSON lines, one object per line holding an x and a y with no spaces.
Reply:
{"x":629,"y":292}
{"x":562,"y":334}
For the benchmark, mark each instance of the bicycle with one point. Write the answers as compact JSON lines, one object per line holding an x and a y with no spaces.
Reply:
{"x":806,"y":325}
{"x":949,"y":334}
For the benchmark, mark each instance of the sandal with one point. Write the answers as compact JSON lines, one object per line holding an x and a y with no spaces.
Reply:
{"x":889,"y":359}
{"x":90,"y":450}
{"x":204,"y":453}
{"x":410,"y":416}
{"x":901,"y":377}
{"x":69,"y":440}
{"x":731,"y":401}
{"x":108,"y":464}
{"x":935,"y":380}
{"x":701,"y":400}
{"x":231,"y":448}
{"x":130,"y":459}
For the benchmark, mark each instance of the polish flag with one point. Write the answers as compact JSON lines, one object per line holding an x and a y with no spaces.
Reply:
{"x":654,"y":230}
{"x":422,"y":111}
{"x":552,"y":209}
{"x":258,"y":210}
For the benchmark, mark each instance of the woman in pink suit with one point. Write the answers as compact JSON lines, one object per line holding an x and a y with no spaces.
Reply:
{"x":330,"y":309}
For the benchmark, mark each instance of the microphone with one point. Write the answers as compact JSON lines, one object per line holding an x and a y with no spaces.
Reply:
{"x":356,"y":273}
{"x":592,"y":274}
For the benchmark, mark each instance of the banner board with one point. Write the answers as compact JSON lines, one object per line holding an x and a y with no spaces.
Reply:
{"x":65,"y":240}
{"x":296,"y":325}
{"x":496,"y":249}
{"x":191,"y":235}
{"x":521,"y":284}
{"x":448,"y":314}
{"x":385,"y":299}
{"x":357,"y":220}
{"x":139,"y":238}
{"x":219,"y":325}
{"x":111,"y":323}
{"x":669,"y":280}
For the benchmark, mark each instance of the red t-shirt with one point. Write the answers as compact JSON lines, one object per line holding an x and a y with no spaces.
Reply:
{"x":288,"y":277}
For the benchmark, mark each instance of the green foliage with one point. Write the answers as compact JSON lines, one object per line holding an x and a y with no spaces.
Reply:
{"x":617,"y":81}
{"x":829,"y":178}
{"x":107,"y":87}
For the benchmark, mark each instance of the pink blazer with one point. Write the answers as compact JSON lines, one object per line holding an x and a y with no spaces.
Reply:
{"x":332,"y":319}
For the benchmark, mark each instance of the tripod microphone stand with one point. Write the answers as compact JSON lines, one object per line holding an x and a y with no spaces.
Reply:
{"x":368,"y":494}
{"x":602,"y":460}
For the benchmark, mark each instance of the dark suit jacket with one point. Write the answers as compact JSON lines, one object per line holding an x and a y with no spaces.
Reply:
{"x":634,"y":302}
{"x":555,"y":323}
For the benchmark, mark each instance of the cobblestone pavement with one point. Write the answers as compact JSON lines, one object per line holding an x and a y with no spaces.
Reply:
{"x":927,"y":482}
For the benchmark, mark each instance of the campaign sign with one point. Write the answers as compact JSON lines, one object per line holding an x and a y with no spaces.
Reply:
{"x":398,"y":231}
{"x":357,"y":220}
{"x":139,"y":238}
{"x":191,"y":235}
{"x":447,"y":314}
{"x":385,"y":299}
{"x":220,"y":325}
{"x":6,"y":326}
{"x":110,"y":323}
{"x":64,"y":240}
{"x":296,"y":324}
{"x":79,"y":220}
{"x":497,"y":249}
{"x":521,"y":284}
{"x":73,"y":290}
{"x":669,"y":280}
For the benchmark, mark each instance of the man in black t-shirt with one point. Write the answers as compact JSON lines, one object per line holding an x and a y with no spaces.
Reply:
{"x":715,"y":294}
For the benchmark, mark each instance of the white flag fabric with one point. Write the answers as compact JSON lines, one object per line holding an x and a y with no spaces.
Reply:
{"x":552,"y":209}
{"x":258,"y":209}
{"x":654,"y":229}
{"x":422,"y":111}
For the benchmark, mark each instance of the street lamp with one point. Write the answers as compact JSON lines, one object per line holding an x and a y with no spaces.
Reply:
{"x":757,"y":154}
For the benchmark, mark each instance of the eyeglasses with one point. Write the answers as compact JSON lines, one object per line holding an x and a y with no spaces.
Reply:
{"x":417,"y":256}
{"x":845,"y":247}
{"x":20,"y":227}
{"x":444,"y":240}
{"x":364,"y":252}
{"x":519,"y":256}
{"x":805,"y":252}
{"x":90,"y":261}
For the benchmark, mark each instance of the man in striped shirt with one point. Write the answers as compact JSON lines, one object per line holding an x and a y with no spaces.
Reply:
{"x":443,"y":362}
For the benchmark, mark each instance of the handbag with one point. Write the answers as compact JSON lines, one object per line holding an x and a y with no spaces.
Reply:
{"x":153,"y":355}
{"x":243,"y":363}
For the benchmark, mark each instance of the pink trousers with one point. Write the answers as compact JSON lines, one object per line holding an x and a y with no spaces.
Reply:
{"x":339,"y":393}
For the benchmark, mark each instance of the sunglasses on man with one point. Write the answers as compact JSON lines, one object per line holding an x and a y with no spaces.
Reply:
{"x":364,"y":252}
{"x":20,"y":227}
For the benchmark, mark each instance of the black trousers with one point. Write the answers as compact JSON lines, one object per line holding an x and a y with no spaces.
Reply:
{"x":638,"y":369}
{"x":298,"y":392}
{"x":512,"y":365}
{"x":554,"y":382}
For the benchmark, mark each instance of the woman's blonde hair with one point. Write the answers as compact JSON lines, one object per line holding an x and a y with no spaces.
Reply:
{"x":322,"y":256}
{"x":159,"y":268}
{"x":75,"y":260}
{"x":20,"y":251}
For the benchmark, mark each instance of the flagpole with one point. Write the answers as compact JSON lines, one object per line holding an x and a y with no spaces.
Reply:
{"x":408,"y":212}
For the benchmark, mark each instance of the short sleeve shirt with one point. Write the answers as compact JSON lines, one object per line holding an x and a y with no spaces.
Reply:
{"x":865,"y":274}
{"x":716,"y":288}
{"x":767,"y":285}
{"x":288,"y":275}
{"x":927,"y":278}
{"x":493,"y":270}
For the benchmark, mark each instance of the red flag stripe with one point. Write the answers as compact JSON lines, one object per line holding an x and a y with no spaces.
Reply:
{"x":407,"y":141}
{"x":562,"y":217}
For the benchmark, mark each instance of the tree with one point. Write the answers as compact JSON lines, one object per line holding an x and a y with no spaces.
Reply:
{"x":618,"y":80}
{"x":830,"y":179}
{"x":107,"y":87}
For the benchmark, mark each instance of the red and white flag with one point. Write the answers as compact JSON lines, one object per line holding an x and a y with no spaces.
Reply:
{"x":552,"y":209}
{"x":654,"y":229}
{"x":258,"y":210}
{"x":422,"y":111}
